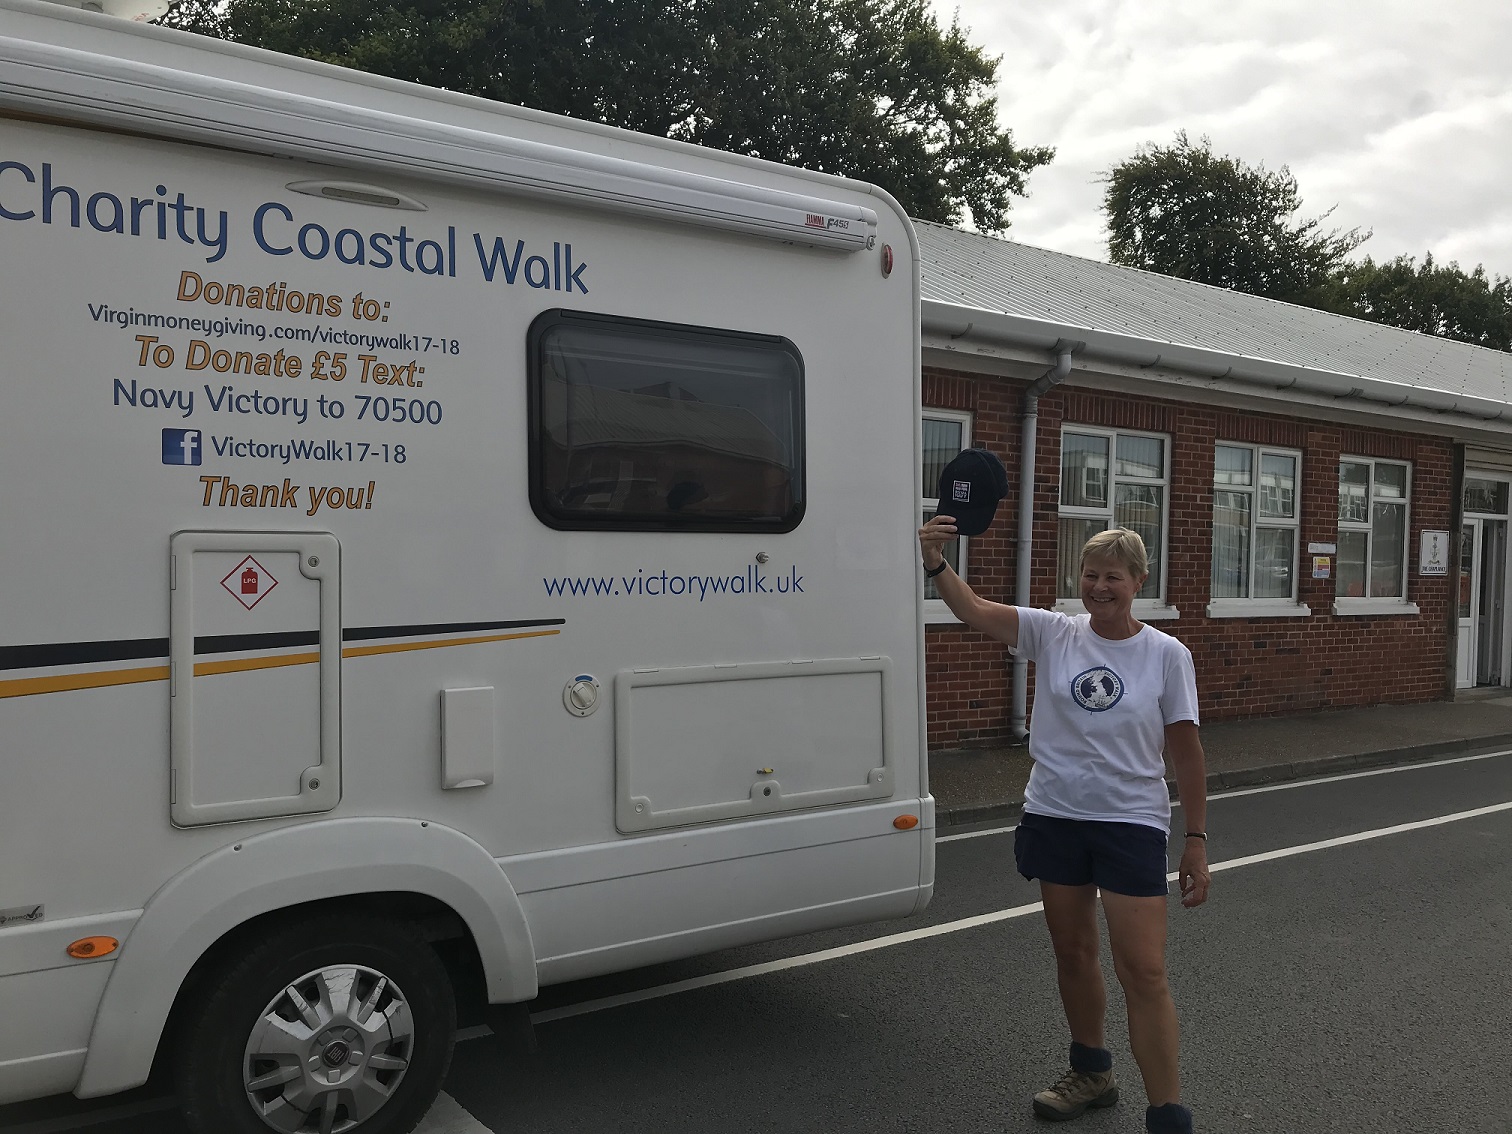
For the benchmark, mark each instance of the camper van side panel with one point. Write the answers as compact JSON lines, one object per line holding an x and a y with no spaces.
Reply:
{"x":273,"y":562}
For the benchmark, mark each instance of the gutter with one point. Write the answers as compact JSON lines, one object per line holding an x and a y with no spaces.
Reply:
{"x":1028,"y":448}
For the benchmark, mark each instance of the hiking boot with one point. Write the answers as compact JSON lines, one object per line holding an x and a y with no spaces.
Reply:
{"x":1076,"y":1091}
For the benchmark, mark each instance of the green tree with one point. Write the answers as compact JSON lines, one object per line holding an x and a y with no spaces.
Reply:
{"x":1431,"y":298}
{"x":1183,"y":210}
{"x":871,"y":89}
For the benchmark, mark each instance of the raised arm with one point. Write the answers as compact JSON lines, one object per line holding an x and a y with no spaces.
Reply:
{"x":994,"y":618}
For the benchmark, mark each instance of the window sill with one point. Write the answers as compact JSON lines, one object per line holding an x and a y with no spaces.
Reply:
{"x":936,"y":613}
{"x":1145,"y":611}
{"x":1348,"y":607}
{"x":1257,"y":608}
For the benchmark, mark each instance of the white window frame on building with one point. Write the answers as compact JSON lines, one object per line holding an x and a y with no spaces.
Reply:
{"x":935,"y":609}
{"x":1483,"y":653}
{"x":1374,"y":499}
{"x":1150,"y":607}
{"x":1262,"y":520}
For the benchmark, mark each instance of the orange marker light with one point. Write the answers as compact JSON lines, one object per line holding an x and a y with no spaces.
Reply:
{"x":906,"y":822}
{"x":88,"y":948}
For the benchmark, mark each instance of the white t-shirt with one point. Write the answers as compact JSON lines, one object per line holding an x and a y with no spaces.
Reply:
{"x":1100,"y":711}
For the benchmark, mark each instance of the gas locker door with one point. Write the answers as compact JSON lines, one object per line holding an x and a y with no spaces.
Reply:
{"x":255,"y":681}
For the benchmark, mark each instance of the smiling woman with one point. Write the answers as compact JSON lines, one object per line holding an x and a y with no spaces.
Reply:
{"x":1114,"y":696}
{"x":1114,"y":567}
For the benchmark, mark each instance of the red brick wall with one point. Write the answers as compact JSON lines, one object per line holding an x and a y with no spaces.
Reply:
{"x":1245,"y":667}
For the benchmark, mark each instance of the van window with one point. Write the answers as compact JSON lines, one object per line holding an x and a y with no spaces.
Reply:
{"x":641,"y":426}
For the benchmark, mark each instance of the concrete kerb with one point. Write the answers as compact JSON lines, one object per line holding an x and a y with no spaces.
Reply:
{"x":1260,"y":775}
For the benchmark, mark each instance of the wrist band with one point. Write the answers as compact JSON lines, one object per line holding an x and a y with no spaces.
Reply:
{"x":1197,"y":835}
{"x":931,"y":572}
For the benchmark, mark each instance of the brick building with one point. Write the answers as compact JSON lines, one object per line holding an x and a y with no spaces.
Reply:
{"x":1325,"y":500}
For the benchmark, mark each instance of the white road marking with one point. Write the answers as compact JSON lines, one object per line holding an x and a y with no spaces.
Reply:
{"x":711,"y":979}
{"x":448,"y":1116}
{"x":1288,"y":786}
{"x":1360,"y":837}
{"x":975,"y":834}
{"x":1358,"y":775}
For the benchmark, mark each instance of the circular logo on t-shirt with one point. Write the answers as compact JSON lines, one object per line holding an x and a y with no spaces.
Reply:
{"x":1097,"y":689}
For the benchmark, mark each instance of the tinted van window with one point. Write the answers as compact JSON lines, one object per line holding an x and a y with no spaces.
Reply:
{"x":655,"y":426}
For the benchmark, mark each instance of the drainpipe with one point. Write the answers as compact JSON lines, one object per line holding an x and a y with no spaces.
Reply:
{"x":1027,"y":448}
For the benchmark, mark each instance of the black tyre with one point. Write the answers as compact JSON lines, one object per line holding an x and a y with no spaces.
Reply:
{"x":337,"y":1025}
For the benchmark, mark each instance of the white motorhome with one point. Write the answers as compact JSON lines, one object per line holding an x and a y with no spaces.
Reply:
{"x":429,"y":529}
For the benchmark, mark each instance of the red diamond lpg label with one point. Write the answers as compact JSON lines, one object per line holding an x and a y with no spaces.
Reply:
{"x":249,"y":582}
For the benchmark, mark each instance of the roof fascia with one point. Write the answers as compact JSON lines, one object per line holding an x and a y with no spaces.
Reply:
{"x":962,"y":322}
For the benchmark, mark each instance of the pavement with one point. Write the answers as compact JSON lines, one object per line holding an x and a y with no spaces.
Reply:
{"x":973,"y":785}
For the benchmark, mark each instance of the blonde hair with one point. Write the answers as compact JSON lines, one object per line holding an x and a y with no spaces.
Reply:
{"x":1123,"y":547}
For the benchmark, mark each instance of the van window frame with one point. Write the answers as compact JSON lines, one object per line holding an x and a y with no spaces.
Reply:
{"x":540,"y":329}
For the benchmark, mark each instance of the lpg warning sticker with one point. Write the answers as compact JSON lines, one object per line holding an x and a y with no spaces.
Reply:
{"x":249,"y":582}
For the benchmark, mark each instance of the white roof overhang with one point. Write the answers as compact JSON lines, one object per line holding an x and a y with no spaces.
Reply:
{"x":970,"y":324}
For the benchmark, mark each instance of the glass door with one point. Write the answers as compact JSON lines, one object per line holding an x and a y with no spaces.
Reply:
{"x":1464,"y":661}
{"x":1490,"y":602}
{"x":1481,"y":656}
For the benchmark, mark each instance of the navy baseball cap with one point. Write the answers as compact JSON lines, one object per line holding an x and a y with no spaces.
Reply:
{"x":970,"y":488}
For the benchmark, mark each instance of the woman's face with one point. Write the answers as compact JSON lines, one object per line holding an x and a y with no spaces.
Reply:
{"x":1108,"y":588}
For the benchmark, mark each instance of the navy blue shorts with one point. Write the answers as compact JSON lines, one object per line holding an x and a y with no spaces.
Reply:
{"x":1124,"y":858}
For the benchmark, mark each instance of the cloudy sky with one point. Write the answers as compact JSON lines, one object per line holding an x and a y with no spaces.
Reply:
{"x":1398,"y":112}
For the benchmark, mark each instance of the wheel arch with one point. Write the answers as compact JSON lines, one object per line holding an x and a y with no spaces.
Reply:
{"x":200,"y":913}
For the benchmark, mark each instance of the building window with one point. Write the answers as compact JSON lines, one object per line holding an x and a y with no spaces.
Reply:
{"x":944,"y":435}
{"x":641,"y":426}
{"x":1372,"y":529}
{"x":1255,"y":522}
{"x":1486,"y":496}
{"x":1112,"y":480}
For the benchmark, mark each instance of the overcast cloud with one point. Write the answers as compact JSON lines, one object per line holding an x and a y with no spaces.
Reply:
{"x":1399,"y":113}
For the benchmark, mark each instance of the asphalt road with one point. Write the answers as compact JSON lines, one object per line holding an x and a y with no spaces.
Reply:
{"x":1352,"y":971}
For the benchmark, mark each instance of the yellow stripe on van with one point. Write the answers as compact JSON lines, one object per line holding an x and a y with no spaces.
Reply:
{"x":98,"y":679}
{"x":29,"y":686}
{"x":401,"y":647}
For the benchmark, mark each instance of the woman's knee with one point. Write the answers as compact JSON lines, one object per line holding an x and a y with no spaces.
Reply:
{"x":1142,"y":974}
{"x":1071,"y":917}
{"x":1075,"y":947}
{"x":1076,"y":956}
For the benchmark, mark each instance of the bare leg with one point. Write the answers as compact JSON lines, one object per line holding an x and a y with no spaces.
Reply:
{"x":1137,"y":934}
{"x":1071,"y":914}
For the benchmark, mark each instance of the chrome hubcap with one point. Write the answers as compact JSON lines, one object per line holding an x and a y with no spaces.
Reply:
{"x":328,"y":1051}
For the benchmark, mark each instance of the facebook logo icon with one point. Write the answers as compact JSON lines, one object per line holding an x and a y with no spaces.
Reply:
{"x":182,"y":446}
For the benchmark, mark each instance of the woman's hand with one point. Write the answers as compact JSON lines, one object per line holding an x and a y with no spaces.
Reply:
{"x":933,"y":537}
{"x":992,"y":618}
{"x":1193,"y":874}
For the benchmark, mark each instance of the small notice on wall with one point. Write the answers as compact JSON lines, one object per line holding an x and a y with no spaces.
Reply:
{"x":1433,"y":554}
{"x":1322,"y":566}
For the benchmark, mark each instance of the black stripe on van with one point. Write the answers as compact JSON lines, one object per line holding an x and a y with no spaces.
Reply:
{"x":47,"y":654}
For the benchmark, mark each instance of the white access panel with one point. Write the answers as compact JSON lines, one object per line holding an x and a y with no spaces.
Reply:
{"x":255,"y":675}
{"x":700,"y":744}
{"x":469,"y":737}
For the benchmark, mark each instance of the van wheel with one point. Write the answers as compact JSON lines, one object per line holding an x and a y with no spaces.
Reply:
{"x":336,"y":1025}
